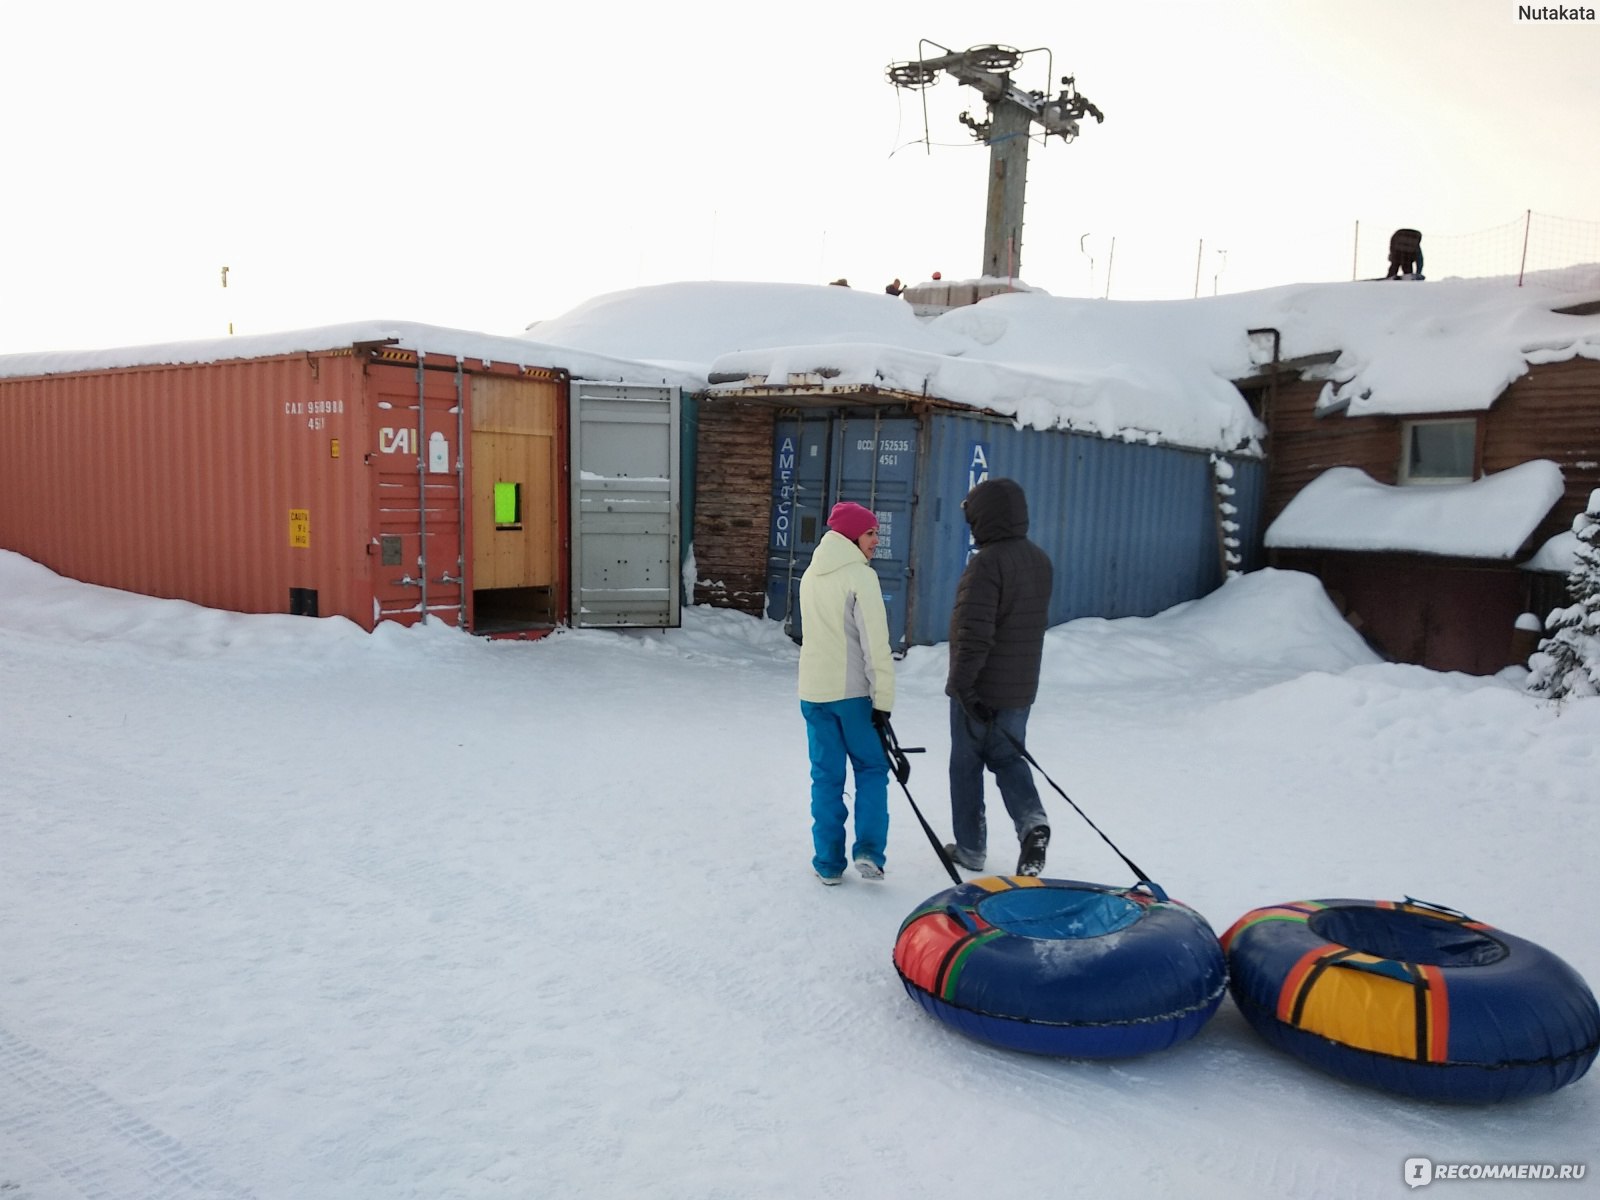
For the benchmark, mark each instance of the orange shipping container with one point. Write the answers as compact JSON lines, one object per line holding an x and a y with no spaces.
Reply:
{"x":353,"y":478}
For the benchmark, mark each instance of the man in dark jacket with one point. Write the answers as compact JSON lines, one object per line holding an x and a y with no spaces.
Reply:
{"x":996,"y":642}
{"x":1405,"y":254}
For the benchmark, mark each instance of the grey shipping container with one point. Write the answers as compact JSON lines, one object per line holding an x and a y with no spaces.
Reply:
{"x":626,"y":565}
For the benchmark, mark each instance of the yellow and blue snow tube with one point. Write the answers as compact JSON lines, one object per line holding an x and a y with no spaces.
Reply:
{"x":1055,"y":966}
{"x":1413,"y":998}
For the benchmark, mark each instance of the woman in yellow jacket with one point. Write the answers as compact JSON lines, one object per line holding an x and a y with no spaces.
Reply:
{"x":846,"y":691}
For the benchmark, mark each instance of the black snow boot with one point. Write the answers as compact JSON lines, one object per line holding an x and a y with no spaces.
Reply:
{"x":1031,"y":860}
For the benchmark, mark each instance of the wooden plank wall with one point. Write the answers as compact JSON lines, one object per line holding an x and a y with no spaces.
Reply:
{"x":733,"y":505}
{"x":1302,"y":446}
{"x":1552,"y":412}
{"x":1450,"y":616}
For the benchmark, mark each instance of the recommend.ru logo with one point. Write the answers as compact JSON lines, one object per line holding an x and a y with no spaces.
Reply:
{"x":1419,"y":1172}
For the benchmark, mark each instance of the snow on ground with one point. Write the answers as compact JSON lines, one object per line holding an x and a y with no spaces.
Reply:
{"x":292,"y":912}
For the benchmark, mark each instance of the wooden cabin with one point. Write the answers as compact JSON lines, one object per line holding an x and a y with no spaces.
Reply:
{"x":1447,"y":613}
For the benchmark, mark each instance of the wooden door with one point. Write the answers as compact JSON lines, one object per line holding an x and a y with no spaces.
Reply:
{"x":516,"y":490}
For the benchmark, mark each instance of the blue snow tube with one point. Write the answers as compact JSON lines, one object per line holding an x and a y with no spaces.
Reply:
{"x":1412,"y":998}
{"x":1056,"y":966}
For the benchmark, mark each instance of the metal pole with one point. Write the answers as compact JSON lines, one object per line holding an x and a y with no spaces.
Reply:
{"x":794,"y":520}
{"x":422,"y":483}
{"x":461,"y":495}
{"x":1355,"y":254}
{"x":1527,"y":224}
{"x":1008,"y":181}
{"x":1110,"y":258}
{"x":877,"y":436}
{"x":1198,"y":255}
{"x":837,"y":433}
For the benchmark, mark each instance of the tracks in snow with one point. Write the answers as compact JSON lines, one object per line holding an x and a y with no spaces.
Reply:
{"x":77,"y":1143}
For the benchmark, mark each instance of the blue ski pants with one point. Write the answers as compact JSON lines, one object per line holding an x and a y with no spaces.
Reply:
{"x":836,"y":731}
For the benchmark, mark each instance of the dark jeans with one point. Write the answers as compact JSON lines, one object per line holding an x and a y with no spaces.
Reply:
{"x":974,"y":746}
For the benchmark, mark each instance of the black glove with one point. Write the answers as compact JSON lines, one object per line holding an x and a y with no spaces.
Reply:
{"x":900,"y":765}
{"x":978,"y":710}
{"x":898,"y":762}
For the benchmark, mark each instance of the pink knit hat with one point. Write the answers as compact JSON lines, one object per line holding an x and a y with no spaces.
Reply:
{"x":851,"y":520}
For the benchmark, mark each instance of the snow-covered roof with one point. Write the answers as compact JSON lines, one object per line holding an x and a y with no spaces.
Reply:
{"x":1344,"y":508}
{"x":406,"y":335}
{"x":1146,"y":370}
{"x":1450,"y":346}
{"x":1157,"y":369}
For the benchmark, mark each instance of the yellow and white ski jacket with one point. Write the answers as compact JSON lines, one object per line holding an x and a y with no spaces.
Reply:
{"x":844,"y":651}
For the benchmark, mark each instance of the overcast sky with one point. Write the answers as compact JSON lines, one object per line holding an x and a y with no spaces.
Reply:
{"x":487,"y":164}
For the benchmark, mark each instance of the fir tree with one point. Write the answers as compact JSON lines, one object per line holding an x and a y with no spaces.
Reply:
{"x":1567,"y":662}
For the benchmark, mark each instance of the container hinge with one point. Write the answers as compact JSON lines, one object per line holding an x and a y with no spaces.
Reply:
{"x":407,"y":582}
{"x":449,"y":578}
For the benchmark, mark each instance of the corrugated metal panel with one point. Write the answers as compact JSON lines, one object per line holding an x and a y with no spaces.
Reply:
{"x":876,"y":466}
{"x":625,"y":555}
{"x":688,"y":449}
{"x":328,"y":483}
{"x":802,"y":452}
{"x":1250,"y":498}
{"x":820,"y":459}
{"x":416,"y":455}
{"x":226,"y":484}
{"x":1130,"y":528}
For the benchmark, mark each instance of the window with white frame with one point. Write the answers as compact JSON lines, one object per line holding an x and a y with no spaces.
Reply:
{"x":1438,"y":451}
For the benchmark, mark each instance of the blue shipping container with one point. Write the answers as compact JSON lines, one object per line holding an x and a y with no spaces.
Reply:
{"x":1131,"y":528}
{"x":820,"y":460}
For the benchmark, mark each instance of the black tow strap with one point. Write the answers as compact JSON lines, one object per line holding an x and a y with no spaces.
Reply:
{"x":900,"y":766}
{"x":1034,"y":763}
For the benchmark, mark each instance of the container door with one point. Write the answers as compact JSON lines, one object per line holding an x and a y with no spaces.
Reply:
{"x":819,"y":461}
{"x":876,"y":467}
{"x":419,"y":513}
{"x":800,"y":472}
{"x":517,"y":489}
{"x":625,"y":500}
